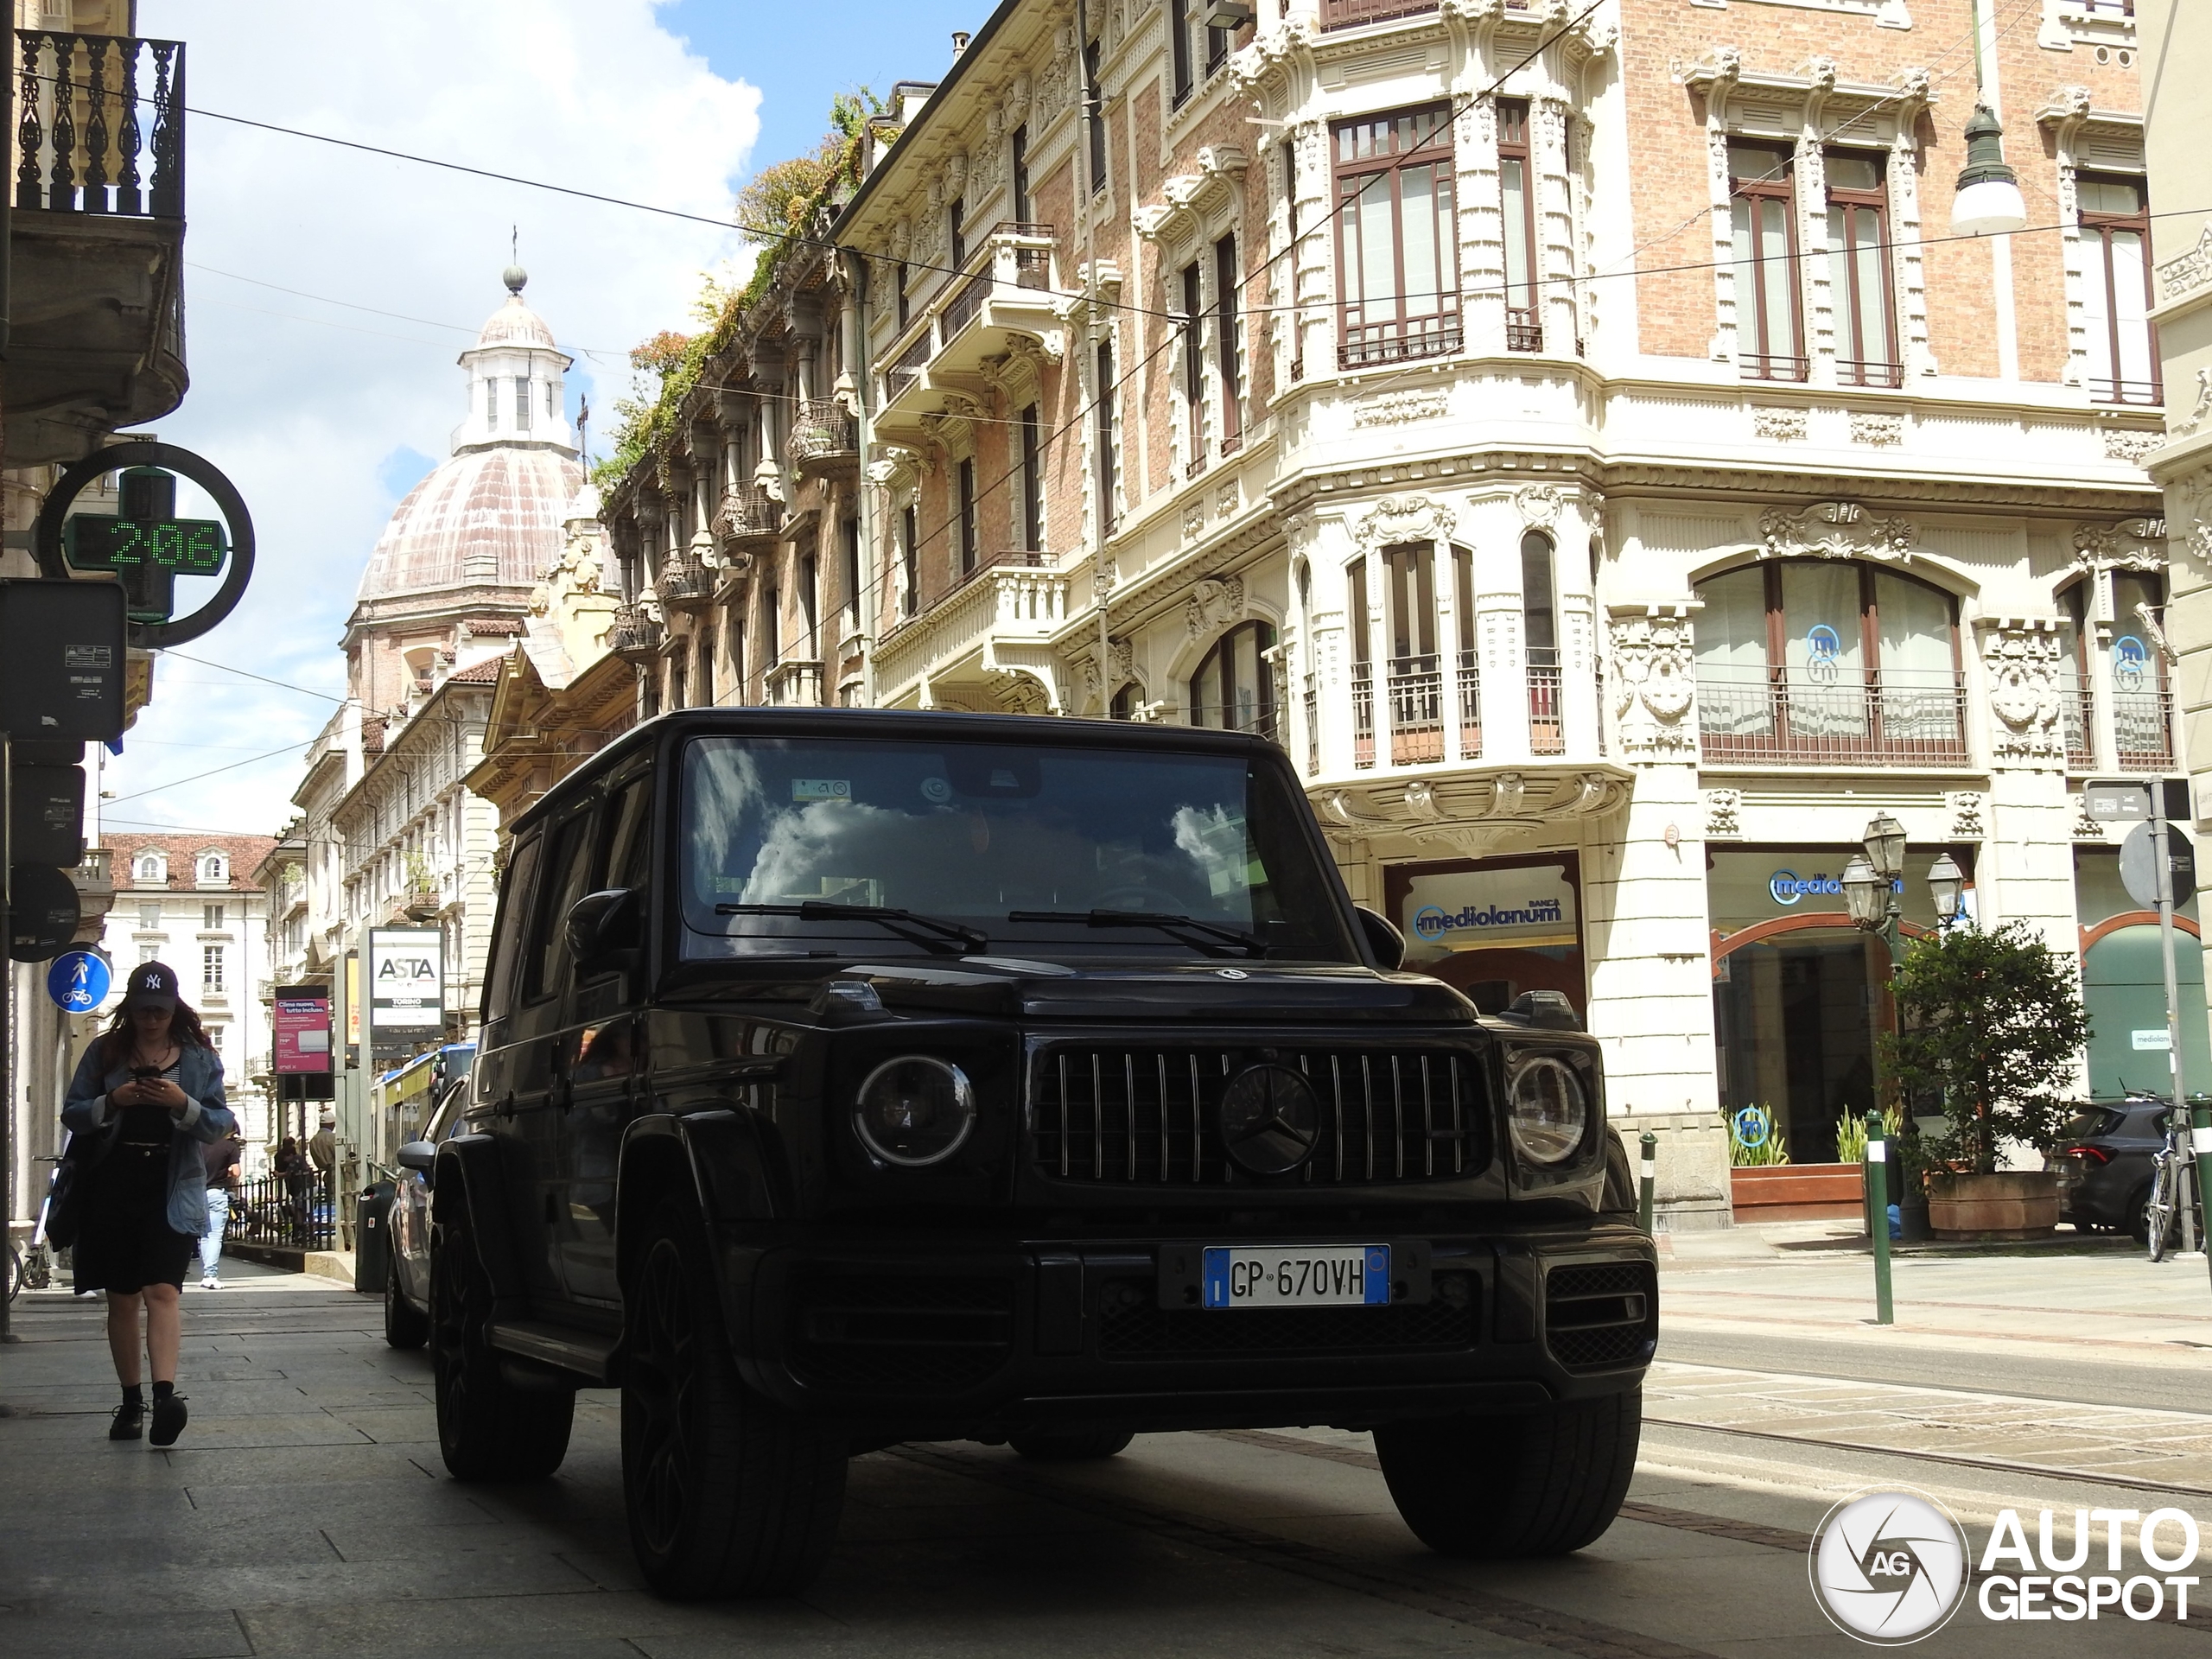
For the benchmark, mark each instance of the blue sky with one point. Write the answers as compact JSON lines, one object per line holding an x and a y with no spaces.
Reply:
{"x":780,"y":49}
{"x":329,"y":291}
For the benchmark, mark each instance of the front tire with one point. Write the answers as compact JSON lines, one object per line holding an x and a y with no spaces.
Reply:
{"x":404,"y":1325}
{"x":1492,"y":1488}
{"x":1071,"y":1445}
{"x":2159,"y":1212}
{"x":727,"y":1494}
{"x":488,"y":1429}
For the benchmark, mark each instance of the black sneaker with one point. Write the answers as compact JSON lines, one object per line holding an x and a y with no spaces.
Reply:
{"x":168,"y":1419}
{"x":129,"y":1422}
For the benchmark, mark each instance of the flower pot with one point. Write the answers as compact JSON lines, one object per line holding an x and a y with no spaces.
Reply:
{"x":1912,"y":1222}
{"x":2012,"y":1204}
{"x":1797,"y":1192}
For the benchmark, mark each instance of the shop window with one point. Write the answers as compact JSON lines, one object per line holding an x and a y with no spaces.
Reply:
{"x":1763,"y":227}
{"x":1516,"y":176}
{"x":1397,"y":249}
{"x":1813,"y":660}
{"x":2114,"y":213}
{"x":1540,"y":644}
{"x":1234,"y":688}
{"x":1859,"y":272}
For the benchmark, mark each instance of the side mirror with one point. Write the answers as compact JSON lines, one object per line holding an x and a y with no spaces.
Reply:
{"x":1548,"y":1009}
{"x":1384,"y":940}
{"x":418,"y":1155}
{"x":601,"y":926}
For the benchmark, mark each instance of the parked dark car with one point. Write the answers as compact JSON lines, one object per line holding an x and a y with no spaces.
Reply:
{"x":407,"y":1284}
{"x":2103,"y":1164}
{"x":851,"y":1077}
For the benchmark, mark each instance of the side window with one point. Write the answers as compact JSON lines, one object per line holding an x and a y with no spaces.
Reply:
{"x":506,"y":932}
{"x":564,"y":885}
{"x":629,"y":846}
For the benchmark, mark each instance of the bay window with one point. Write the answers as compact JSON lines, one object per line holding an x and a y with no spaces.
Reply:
{"x":1398,"y":260}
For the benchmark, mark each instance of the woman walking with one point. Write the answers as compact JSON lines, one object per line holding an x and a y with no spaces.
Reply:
{"x":152,"y":1087}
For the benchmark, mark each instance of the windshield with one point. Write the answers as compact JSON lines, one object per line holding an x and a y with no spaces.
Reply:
{"x":972,"y":834}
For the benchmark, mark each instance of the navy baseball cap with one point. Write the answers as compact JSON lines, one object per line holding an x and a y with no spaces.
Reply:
{"x":150,"y":982}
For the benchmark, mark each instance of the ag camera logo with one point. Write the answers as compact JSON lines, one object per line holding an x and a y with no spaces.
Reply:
{"x":1889,"y":1567}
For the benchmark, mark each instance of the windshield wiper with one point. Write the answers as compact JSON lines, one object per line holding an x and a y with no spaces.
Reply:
{"x":935,"y":933}
{"x":1162,"y":919}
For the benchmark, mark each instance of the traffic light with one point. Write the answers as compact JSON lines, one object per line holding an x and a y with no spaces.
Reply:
{"x":61,"y":684}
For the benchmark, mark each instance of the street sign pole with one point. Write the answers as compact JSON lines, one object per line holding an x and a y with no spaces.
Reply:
{"x":1877,"y":1202}
{"x":2163,"y":866}
{"x":1648,"y":1144}
{"x":7,"y":1001}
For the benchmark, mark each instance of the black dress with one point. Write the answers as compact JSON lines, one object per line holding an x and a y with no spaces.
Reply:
{"x":127,"y":1242}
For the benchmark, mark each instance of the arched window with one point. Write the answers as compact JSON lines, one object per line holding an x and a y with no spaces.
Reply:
{"x":1817,"y":659}
{"x":1540,"y":644}
{"x":213,"y":869}
{"x":151,"y":868}
{"x":2131,"y":667}
{"x":1123,"y":703}
{"x":1234,"y":688}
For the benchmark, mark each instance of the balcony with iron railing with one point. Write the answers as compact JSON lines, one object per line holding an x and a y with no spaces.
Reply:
{"x":824,"y":439}
{"x":97,"y":339}
{"x":634,"y":634}
{"x":1422,"y":702}
{"x":2142,"y":730}
{"x":748,"y":515}
{"x":1002,"y":297}
{"x":686,"y":581}
{"x":1832,"y":718}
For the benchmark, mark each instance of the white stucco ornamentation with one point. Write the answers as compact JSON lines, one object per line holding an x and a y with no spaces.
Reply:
{"x":1655,"y":681}
{"x":1723,"y":814}
{"x":1836,"y":529}
{"x":1214,"y":603}
{"x":2130,"y":446}
{"x":1881,"y":431}
{"x":2130,"y":544}
{"x":1397,"y":518}
{"x":1399,"y":408}
{"x":1969,"y":822}
{"x":1538,"y":504}
{"x":1779,"y":425}
{"x":2023,"y":658}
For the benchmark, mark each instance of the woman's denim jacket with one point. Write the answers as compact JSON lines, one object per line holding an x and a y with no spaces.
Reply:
{"x":200,"y":1074}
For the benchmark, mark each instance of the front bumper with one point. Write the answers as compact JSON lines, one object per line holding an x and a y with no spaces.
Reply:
{"x":931,"y":1335}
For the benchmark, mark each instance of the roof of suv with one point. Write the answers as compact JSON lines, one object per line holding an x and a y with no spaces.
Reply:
{"x":907,"y":724}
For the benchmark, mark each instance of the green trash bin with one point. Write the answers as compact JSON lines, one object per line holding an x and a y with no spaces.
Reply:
{"x":372,"y":1237}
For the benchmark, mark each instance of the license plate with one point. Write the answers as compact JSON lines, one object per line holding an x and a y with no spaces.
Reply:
{"x":1297,"y":1276}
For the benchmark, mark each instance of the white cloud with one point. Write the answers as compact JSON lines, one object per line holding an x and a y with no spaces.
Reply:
{"x":303,"y":403}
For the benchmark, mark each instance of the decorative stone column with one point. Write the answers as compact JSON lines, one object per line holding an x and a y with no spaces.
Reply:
{"x":1644,"y":912}
{"x":2025,"y":870}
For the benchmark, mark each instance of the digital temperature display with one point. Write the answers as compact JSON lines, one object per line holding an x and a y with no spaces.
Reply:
{"x":146,"y":545}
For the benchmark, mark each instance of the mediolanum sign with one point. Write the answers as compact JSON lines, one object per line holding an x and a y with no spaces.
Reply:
{"x":1475,"y":910}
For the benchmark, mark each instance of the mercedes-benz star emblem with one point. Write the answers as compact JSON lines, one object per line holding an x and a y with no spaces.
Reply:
{"x":1271,"y":1119}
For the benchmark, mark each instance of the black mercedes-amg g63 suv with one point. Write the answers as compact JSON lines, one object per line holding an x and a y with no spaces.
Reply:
{"x":851,"y":1077}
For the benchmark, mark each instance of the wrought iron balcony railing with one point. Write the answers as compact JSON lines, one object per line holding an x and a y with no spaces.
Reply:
{"x":100,"y":124}
{"x":2142,"y":730}
{"x":823,"y":432}
{"x":685,"y":578}
{"x":633,"y":635}
{"x":748,"y":512}
{"x":1806,"y":716}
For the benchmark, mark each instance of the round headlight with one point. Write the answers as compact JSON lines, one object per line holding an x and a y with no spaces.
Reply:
{"x":915,"y":1111}
{"x":1549,"y":1109}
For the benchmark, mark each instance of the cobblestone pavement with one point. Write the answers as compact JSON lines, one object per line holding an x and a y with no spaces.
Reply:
{"x":306,"y":1512}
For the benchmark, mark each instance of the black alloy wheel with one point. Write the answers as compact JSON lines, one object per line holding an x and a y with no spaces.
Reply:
{"x":405,"y":1326}
{"x":727,"y":1494}
{"x":488,"y":1428}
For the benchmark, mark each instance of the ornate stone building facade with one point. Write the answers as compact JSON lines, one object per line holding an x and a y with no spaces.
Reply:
{"x":1578,"y":437}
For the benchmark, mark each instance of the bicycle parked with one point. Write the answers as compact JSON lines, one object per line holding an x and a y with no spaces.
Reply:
{"x":2169,"y":1179}
{"x":34,"y":1271}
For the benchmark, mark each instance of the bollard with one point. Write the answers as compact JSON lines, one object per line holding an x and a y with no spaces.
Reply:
{"x":2200,"y":1142}
{"x":1649,"y":1145}
{"x":1878,"y":1204}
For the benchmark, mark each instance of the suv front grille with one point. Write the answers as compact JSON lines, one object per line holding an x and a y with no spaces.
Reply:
{"x":1150,"y":1117}
{"x":1601,"y":1315}
{"x":912,"y":1334}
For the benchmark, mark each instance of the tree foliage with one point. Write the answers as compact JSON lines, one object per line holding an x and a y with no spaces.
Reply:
{"x":782,"y":205}
{"x":1992,"y":1027}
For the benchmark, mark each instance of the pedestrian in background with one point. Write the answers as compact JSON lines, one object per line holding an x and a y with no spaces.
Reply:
{"x":290,"y":1165}
{"x":322,"y":1154}
{"x":152,"y":1087}
{"x":224,"y":1159}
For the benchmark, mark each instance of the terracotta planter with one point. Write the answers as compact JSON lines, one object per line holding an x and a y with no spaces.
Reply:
{"x":1797,"y":1192}
{"x":2012,"y":1204}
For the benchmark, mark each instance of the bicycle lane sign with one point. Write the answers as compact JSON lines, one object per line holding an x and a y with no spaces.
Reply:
{"x":78,"y":982}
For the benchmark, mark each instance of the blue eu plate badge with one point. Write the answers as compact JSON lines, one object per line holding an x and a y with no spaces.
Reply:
{"x":1296,"y":1275}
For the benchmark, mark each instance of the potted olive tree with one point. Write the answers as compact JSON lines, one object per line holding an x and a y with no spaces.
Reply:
{"x":1991,"y":1028}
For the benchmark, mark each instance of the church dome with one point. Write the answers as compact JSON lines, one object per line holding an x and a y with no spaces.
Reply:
{"x":491,"y":515}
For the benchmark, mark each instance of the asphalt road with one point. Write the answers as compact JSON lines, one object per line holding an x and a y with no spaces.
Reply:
{"x":306,"y":1512}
